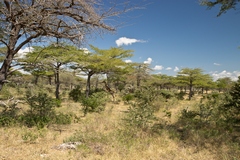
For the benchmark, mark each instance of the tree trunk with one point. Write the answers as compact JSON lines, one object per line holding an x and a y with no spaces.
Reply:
{"x":57,"y":81}
{"x":36,"y":79}
{"x":190,"y":91}
{"x":4,"y":70}
{"x":88,"y":86}
{"x":11,"y":51}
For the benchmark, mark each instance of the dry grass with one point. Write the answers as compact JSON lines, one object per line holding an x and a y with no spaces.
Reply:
{"x":102,"y":137}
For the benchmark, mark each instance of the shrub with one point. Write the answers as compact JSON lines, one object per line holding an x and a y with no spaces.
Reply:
{"x":141,"y":113}
{"x":75,"y":94}
{"x":140,"y":116}
{"x":232,"y":107}
{"x":7,"y":120}
{"x":62,"y":119}
{"x":128,"y":97}
{"x":94,"y":103}
{"x":41,"y":110}
{"x":166,"y":94}
{"x":41,"y":104}
{"x":180,"y":95}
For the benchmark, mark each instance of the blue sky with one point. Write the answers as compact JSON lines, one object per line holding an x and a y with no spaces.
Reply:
{"x":173,"y":34}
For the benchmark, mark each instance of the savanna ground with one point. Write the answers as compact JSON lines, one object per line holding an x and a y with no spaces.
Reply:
{"x":104,"y":135}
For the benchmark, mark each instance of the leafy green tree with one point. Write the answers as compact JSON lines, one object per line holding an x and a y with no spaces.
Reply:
{"x":235,"y":101}
{"x":225,"y":4}
{"x":162,"y":81}
{"x":190,"y":77}
{"x":102,"y":62}
{"x":142,"y":73}
{"x":29,"y":21}
{"x":205,"y":82}
{"x":50,"y":60}
{"x":231,"y":107}
{"x":224,"y":84}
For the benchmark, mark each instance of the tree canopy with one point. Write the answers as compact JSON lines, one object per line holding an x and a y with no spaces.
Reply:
{"x":190,"y":77}
{"x":225,"y":4}
{"x":29,"y":21}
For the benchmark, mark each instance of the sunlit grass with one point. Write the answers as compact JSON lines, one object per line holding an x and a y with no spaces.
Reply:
{"x":104,"y":136}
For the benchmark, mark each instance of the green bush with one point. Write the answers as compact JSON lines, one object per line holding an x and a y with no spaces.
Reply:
{"x":232,"y":107}
{"x":166,"y":94}
{"x":62,"y":119}
{"x":41,"y":104}
{"x":180,"y":95}
{"x":141,"y":113}
{"x":42,"y":110}
{"x":7,"y":120}
{"x":94,"y":103}
{"x":140,"y":116}
{"x":76,"y":94}
{"x":128,"y":97}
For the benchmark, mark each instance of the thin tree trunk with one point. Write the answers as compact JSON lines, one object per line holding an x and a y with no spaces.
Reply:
{"x":57,"y":81}
{"x":7,"y":62}
{"x":190,"y":90}
{"x":36,"y":79}
{"x":4,"y":70}
{"x":88,"y":86}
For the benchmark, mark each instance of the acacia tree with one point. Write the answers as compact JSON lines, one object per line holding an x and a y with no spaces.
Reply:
{"x":102,"y":61}
{"x":224,"y":84}
{"x":28,"y":21}
{"x":205,"y":82}
{"x":190,"y":77}
{"x":50,"y":59}
{"x":162,"y":81}
{"x":225,"y":4}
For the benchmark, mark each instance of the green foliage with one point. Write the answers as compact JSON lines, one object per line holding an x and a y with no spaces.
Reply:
{"x":62,"y":119}
{"x":167,"y":94}
{"x":140,"y":116}
{"x":128,"y":97}
{"x":94,"y":103}
{"x":76,"y":94}
{"x":7,"y":120}
{"x":141,"y":113}
{"x":208,"y":112}
{"x":193,"y":77}
{"x":225,"y":5}
{"x":180,"y":95}
{"x":232,"y":107}
{"x":41,"y":110}
{"x":41,"y":104}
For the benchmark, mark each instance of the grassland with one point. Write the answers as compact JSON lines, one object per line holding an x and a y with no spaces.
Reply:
{"x":104,"y":136}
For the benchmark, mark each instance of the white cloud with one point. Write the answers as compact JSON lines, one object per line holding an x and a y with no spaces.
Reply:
{"x":22,"y":52}
{"x":127,"y":41}
{"x":216,"y":64}
{"x":128,"y":61}
{"x":157,"y":67}
{"x":176,"y":69}
{"x":148,"y":61}
{"x":233,"y":75}
{"x":169,"y":68}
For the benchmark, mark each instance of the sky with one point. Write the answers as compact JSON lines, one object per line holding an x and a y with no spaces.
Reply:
{"x":171,"y":35}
